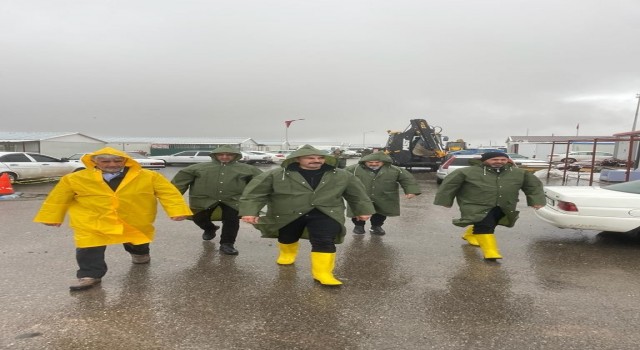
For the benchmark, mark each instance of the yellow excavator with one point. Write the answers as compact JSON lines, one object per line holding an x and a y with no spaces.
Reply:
{"x":419,"y":145}
{"x":457,"y":145}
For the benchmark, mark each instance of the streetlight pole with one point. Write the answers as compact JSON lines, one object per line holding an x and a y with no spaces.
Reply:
{"x":364,"y":133}
{"x":287,"y":123}
{"x":635,"y":120}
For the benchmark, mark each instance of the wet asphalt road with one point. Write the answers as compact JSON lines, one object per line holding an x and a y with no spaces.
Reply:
{"x":418,"y":287}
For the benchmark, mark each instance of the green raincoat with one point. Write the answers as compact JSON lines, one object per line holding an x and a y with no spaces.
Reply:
{"x":214,"y":182}
{"x":288,"y":196}
{"x":383,"y":186}
{"x":479,"y":188}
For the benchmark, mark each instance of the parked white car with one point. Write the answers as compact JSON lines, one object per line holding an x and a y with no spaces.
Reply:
{"x":144,"y":161}
{"x":614,"y":208}
{"x":279,"y":156}
{"x":530,"y":164}
{"x":30,"y":166}
{"x":578,"y":156}
{"x":252,"y":157}
{"x":452,"y":163}
{"x":185,"y":157}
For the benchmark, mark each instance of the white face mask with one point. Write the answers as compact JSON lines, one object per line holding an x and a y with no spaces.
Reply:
{"x":374,"y":167}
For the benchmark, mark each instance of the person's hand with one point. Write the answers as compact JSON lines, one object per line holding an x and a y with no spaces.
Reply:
{"x":409,"y":195}
{"x":363,"y":217}
{"x":178,"y":218}
{"x":54,"y":225}
{"x":250,"y":219}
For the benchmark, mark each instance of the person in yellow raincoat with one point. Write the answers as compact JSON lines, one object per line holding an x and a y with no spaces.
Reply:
{"x":112,"y":201}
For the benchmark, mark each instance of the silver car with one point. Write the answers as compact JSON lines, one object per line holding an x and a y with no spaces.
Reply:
{"x":452,"y":163}
{"x":185,"y":157}
{"x":252,"y":157}
{"x":30,"y":166}
{"x":144,"y":161}
{"x":577,"y":156}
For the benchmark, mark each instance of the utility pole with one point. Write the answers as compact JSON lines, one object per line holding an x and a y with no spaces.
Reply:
{"x":363,"y":138}
{"x":635,"y":119}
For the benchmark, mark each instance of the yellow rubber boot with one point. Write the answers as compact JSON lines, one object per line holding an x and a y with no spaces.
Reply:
{"x":288,"y":253}
{"x":322,"y":265}
{"x":470,"y":237}
{"x":489,"y":246}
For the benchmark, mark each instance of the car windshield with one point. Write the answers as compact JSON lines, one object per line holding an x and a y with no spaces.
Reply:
{"x":461,"y":161}
{"x":76,"y":156}
{"x":628,"y":187}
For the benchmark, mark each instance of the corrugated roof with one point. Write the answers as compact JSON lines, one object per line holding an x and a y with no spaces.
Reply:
{"x":176,"y":140}
{"x":26,"y":136}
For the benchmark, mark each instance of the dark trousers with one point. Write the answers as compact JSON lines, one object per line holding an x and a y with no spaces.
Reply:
{"x":322,"y":230}
{"x":230,"y":222}
{"x":91,"y":260}
{"x":376,"y":220}
{"x":489,"y":223}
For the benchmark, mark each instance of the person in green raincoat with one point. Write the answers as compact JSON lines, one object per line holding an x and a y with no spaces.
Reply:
{"x":382,"y":179}
{"x":214,"y":189}
{"x":487,"y":194}
{"x":305,"y":199}
{"x":112,"y":201}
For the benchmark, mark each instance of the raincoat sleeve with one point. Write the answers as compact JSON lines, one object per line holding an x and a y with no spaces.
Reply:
{"x":408,"y":182}
{"x":356,"y":196}
{"x":449,"y":189}
{"x":183,"y":179}
{"x":170,"y":198}
{"x":534,"y":190}
{"x":56,"y":204}
{"x":256,"y":195}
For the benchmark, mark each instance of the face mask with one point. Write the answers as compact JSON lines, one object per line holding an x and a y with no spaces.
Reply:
{"x":374,"y":167}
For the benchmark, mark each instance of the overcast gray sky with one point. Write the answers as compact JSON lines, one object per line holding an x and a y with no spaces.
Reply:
{"x":481,"y":70}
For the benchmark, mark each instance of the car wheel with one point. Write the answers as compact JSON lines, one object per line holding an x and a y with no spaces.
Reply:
{"x":12,"y":177}
{"x":438,"y":181}
{"x":568,"y":160}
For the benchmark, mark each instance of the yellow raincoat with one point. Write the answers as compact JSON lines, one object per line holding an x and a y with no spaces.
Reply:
{"x":99,"y":216}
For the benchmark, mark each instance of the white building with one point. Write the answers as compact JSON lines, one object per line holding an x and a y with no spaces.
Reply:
{"x":54,"y":144}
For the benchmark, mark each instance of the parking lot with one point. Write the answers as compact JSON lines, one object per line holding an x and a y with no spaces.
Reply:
{"x":418,"y":287}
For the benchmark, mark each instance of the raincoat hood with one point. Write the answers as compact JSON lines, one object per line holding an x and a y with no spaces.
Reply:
{"x":129,"y":162}
{"x":378,"y":156}
{"x":477,"y":162}
{"x":308,"y":150}
{"x":227,"y":149}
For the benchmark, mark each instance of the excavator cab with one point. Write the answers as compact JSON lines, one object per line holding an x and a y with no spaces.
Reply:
{"x":420,"y":145}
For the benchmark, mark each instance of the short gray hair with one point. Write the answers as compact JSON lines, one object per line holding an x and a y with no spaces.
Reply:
{"x":107,"y":156}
